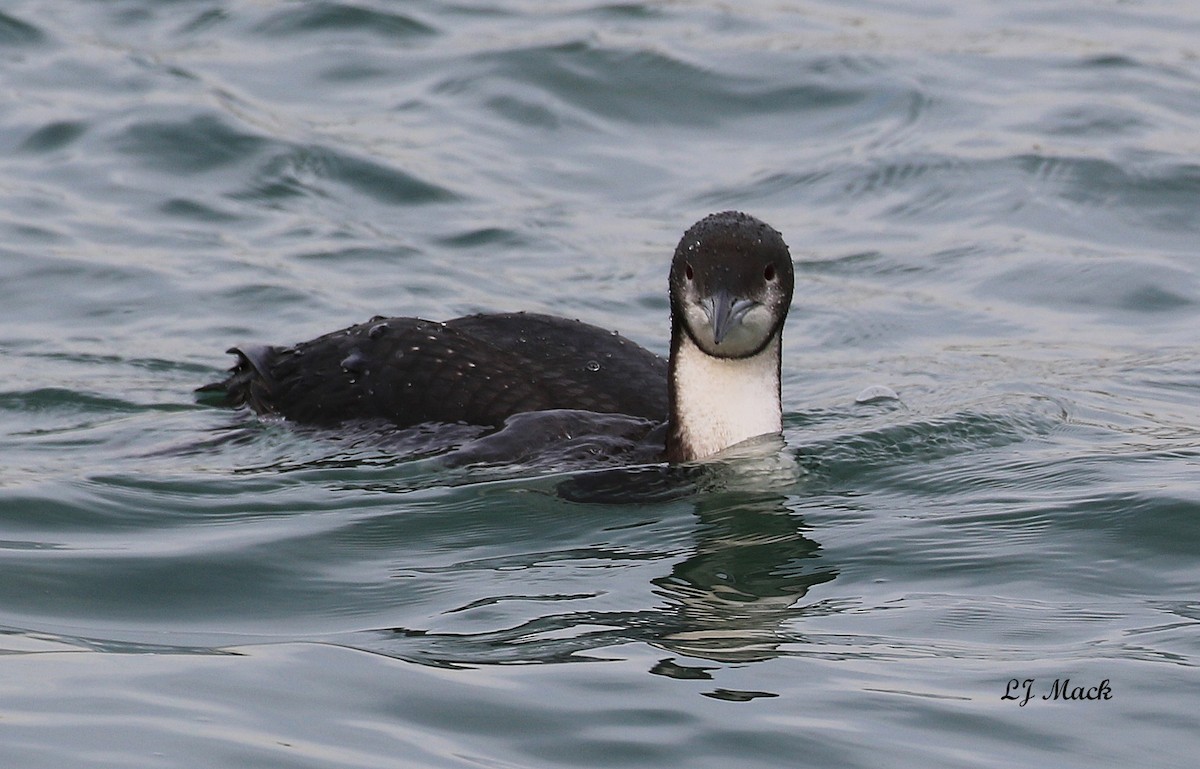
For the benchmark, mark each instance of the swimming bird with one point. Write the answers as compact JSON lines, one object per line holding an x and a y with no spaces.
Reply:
{"x":730,"y":285}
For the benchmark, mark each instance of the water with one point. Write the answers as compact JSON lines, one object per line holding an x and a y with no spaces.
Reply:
{"x":993,"y":211}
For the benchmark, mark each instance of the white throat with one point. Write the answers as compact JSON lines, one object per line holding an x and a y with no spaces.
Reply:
{"x":722,"y":401}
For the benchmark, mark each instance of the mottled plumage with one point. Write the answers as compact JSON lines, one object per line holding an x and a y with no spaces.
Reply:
{"x":480,"y":369}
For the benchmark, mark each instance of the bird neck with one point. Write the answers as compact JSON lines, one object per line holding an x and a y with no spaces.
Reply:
{"x":717,"y":402}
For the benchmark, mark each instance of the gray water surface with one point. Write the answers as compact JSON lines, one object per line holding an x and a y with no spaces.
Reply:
{"x":992,"y":207}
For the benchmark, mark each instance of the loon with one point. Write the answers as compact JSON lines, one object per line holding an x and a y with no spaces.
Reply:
{"x":731,"y":282}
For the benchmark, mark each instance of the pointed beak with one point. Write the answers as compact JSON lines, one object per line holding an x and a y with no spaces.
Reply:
{"x":725,"y":311}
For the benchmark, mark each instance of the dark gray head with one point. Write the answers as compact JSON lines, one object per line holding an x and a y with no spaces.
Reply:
{"x":731,"y":284}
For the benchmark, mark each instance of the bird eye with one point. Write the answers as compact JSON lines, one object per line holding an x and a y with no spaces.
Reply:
{"x":769,"y":272}
{"x":687,"y":270}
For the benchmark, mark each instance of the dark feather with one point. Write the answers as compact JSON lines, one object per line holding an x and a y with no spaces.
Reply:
{"x":479,"y":369}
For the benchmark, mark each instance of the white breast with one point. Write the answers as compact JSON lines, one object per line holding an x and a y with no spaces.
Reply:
{"x":723,"y":401}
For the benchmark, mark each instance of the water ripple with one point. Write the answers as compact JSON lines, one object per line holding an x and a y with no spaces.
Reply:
{"x":576,"y":74}
{"x":14,"y":31}
{"x":200,"y":144}
{"x":992,"y":212}
{"x":326,"y":18}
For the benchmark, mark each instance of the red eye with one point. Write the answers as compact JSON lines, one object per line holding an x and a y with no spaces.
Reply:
{"x":687,"y":270}
{"x":769,"y":273}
